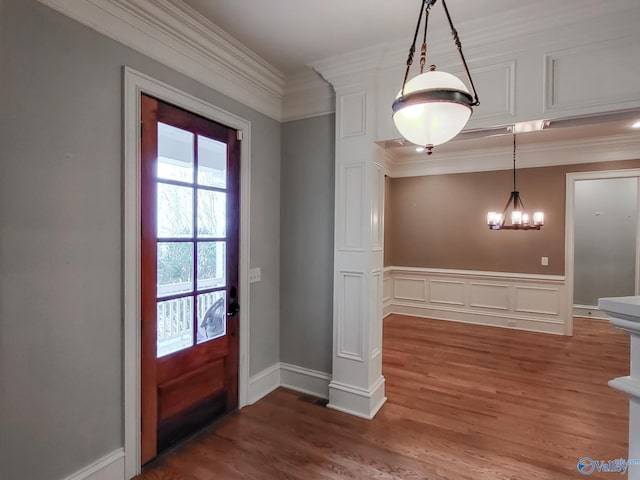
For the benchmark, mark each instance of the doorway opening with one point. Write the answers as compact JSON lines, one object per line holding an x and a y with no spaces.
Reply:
{"x":135,"y":85}
{"x":602,"y":240}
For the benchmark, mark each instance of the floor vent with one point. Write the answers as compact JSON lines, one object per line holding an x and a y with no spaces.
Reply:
{"x":314,"y":400}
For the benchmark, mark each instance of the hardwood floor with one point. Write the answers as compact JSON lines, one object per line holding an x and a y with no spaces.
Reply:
{"x":464,"y":402}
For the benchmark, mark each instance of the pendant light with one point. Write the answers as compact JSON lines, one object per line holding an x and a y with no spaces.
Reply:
{"x":433,"y":107}
{"x":514,"y":209}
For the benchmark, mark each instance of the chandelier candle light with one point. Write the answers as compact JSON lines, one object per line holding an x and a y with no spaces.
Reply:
{"x":520,"y":220}
{"x":433,"y":107}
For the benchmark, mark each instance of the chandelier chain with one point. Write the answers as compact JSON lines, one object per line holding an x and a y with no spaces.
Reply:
{"x":412,"y":48}
{"x":423,"y":51}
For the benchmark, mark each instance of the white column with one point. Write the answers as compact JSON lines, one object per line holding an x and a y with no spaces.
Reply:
{"x":357,"y":386}
{"x":624,"y":314}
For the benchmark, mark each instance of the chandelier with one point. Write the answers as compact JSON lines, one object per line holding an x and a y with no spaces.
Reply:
{"x":520,"y":220}
{"x":433,"y":107}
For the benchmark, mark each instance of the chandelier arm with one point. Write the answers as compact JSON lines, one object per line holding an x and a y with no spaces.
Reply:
{"x":412,"y":49}
{"x":506,"y":208}
{"x":458,"y":44}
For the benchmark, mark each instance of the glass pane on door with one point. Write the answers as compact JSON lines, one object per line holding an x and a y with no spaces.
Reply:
{"x":175,"y":211}
{"x":174,"y":325}
{"x":175,"y":153}
{"x":212,"y":315}
{"x":212,"y":162}
{"x":175,"y":268}
{"x":212,"y":261}
{"x":212,"y":214}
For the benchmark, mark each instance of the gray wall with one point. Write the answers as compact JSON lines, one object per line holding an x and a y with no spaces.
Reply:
{"x":306,"y":276}
{"x":606,"y":213}
{"x":61,"y":239}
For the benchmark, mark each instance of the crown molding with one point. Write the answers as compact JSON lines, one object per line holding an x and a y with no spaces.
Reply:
{"x":307,"y":95}
{"x":549,"y":154}
{"x":351,"y":68}
{"x":177,"y":36}
{"x":550,"y":23}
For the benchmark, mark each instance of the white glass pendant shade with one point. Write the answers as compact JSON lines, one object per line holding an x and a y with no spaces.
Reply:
{"x":435,"y":108}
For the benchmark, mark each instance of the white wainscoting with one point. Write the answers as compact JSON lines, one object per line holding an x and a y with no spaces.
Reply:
{"x":511,"y":300}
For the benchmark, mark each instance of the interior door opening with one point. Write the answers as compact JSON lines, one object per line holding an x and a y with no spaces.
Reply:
{"x":190,"y":187}
{"x":605,"y":242}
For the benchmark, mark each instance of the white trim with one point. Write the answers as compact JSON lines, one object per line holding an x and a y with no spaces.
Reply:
{"x":177,"y":36}
{"x":462,"y":315}
{"x":263,"y":383}
{"x":307,"y":95}
{"x":589,"y":311}
{"x":636,"y":289}
{"x":109,"y":467}
{"x":134,"y":84}
{"x":520,"y":27}
{"x":305,"y":380}
{"x":628,"y":385}
{"x":475,"y":273}
{"x":569,"y":243}
{"x":548,"y":154}
{"x":293,"y":377}
{"x":357,"y":401}
{"x":519,"y":301}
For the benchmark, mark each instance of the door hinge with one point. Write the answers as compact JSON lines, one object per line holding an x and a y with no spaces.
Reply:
{"x":239,"y":135}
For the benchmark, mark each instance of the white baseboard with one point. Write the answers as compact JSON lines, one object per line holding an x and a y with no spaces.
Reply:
{"x":589,"y":311}
{"x":109,"y":467}
{"x":263,"y":383}
{"x":304,"y":380}
{"x":300,"y":379}
{"x":355,"y":401}
{"x":476,"y":318}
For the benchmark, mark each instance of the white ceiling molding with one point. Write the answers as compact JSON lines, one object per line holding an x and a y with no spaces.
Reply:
{"x":351,"y":67}
{"x":503,"y":35}
{"x":604,"y":149}
{"x":177,"y":36}
{"x":307,"y":95}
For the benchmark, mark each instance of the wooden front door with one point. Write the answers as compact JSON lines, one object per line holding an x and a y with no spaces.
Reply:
{"x":190,"y":234}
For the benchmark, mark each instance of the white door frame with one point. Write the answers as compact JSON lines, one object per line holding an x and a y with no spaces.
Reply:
{"x":569,"y":248}
{"x":136,"y":83}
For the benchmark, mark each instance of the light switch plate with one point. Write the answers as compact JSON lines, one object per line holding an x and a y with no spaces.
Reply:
{"x":544,"y":261}
{"x":254,"y":275}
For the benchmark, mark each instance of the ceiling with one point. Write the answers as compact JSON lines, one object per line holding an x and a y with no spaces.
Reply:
{"x":290,"y":34}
